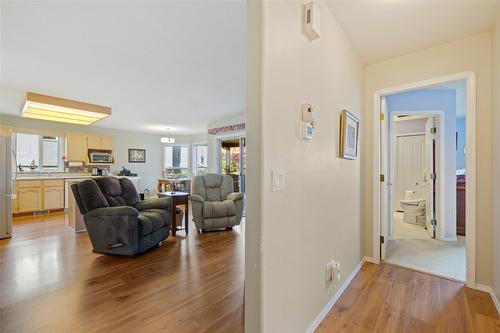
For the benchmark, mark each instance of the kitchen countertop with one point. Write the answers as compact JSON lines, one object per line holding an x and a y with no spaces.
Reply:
{"x":59,"y":176}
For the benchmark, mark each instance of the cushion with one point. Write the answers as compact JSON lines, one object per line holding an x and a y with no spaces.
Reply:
{"x":89,"y":196}
{"x":118,"y":191}
{"x":152,"y":220}
{"x":219,"y":209}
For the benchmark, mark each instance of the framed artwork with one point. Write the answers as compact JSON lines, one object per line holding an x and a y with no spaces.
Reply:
{"x":349,"y":134}
{"x":136,"y":155}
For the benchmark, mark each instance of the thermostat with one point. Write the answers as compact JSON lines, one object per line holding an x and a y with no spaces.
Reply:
{"x":306,"y":130}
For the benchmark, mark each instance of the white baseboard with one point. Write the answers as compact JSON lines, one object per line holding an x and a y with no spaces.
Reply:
{"x":489,"y":290}
{"x":449,"y":239}
{"x":337,"y":295}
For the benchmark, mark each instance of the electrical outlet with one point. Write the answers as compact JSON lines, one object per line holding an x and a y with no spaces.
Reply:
{"x":333,"y":269}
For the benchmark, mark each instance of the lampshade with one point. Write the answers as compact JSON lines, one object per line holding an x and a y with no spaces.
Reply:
{"x":50,"y":108}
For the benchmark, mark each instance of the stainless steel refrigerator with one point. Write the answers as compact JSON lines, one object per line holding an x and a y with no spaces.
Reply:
{"x":7,"y":182}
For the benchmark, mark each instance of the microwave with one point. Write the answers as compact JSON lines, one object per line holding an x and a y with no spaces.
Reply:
{"x":100,"y":157}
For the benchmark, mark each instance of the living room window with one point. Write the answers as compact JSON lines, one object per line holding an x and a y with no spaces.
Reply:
{"x":39,"y":152}
{"x":176,"y":162}
{"x":200,"y":158}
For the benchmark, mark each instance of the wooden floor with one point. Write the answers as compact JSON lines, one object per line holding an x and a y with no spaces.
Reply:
{"x":386,"y":298}
{"x":50,"y":281}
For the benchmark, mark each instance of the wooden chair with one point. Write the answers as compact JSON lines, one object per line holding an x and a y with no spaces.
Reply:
{"x":165,"y":185}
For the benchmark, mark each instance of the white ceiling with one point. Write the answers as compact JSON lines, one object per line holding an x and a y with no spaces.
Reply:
{"x":157,"y":64}
{"x":385,"y":29}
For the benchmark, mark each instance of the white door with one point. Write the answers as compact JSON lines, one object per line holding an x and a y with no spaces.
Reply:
{"x":430,"y":176}
{"x":410,"y":166}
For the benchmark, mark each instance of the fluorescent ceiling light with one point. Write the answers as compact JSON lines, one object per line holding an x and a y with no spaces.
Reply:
{"x":167,"y":140}
{"x":62,"y":110}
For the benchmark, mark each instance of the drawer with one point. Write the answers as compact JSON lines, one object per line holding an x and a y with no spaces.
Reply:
{"x":53,"y":182}
{"x":29,"y":183}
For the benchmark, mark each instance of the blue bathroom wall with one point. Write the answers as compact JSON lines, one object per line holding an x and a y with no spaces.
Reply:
{"x":423,"y":100}
{"x":460,"y":143}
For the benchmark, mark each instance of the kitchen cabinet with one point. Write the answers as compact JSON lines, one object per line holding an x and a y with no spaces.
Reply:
{"x":38,"y":195}
{"x":76,"y":147}
{"x":78,"y":144}
{"x":30,"y":199}
{"x":53,"y":194}
{"x":100,"y":142}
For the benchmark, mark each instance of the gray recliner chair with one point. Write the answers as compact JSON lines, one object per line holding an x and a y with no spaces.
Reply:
{"x":117,"y":222}
{"x":214,"y":203}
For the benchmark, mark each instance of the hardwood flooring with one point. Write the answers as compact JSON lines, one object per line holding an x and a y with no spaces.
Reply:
{"x":50,"y":281}
{"x":386,"y":298}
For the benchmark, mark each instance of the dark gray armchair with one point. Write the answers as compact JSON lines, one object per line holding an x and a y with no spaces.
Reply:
{"x":117,"y":222}
{"x":214,"y":203}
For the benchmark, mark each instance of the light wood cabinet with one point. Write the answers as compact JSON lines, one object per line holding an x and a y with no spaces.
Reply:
{"x":38,"y":195}
{"x":106,"y":142}
{"x":94,"y":142}
{"x":76,"y":147}
{"x":53,"y":198}
{"x":30,"y":199}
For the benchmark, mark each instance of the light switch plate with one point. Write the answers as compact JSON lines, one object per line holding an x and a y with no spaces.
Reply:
{"x":278,"y":180}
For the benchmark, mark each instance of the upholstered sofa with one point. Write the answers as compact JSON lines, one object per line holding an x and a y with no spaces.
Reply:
{"x":214,"y":203}
{"x":117,"y":222}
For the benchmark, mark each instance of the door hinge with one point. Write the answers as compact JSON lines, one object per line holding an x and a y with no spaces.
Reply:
{"x":433,"y":222}
{"x":433,"y":130}
{"x":382,"y":239}
{"x":382,"y":116}
{"x":382,"y":178}
{"x":433,"y":176}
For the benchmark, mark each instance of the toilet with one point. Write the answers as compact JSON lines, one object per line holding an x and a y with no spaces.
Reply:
{"x":414,"y":209}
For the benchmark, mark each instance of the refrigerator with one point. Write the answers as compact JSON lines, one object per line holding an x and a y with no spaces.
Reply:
{"x":7,"y":182}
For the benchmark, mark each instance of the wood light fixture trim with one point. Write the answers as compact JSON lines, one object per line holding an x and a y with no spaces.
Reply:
{"x":51,"y":108}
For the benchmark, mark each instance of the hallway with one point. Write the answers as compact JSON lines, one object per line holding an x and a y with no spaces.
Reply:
{"x":386,"y":298}
{"x":411,"y":247}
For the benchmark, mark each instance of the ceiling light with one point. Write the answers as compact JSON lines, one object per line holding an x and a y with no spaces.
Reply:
{"x":62,"y":110}
{"x":167,"y":140}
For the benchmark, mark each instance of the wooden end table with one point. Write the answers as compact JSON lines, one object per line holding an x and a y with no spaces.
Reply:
{"x":177,"y":198}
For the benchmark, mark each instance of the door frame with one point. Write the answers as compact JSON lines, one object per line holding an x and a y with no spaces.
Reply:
{"x":470,"y":201}
{"x":218,"y":146}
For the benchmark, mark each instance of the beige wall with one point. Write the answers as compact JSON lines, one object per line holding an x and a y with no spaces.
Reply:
{"x":471,"y":54}
{"x":496,"y":158}
{"x":254,"y":170}
{"x":317,"y":218}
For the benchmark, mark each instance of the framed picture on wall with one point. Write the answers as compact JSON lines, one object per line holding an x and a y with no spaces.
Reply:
{"x":349,"y":134}
{"x":136,"y":155}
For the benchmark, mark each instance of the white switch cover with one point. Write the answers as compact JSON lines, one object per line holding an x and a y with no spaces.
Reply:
{"x":278,"y":180}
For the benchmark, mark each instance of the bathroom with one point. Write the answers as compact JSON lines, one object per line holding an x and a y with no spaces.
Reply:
{"x":426,"y":154}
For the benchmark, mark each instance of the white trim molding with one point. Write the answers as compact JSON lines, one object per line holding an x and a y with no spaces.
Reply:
{"x":470,"y":220}
{"x":337,"y":295}
{"x":489,"y":290}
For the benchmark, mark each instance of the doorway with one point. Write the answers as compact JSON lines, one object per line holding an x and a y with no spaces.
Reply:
{"x":232,"y":161}
{"x":434,"y":181}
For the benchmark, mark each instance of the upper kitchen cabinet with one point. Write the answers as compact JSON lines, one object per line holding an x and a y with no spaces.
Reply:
{"x":76,"y":147}
{"x":100,"y":142}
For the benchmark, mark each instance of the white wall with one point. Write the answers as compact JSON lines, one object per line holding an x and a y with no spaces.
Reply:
{"x":470,"y":54}
{"x":496,"y":161}
{"x":317,"y":218}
